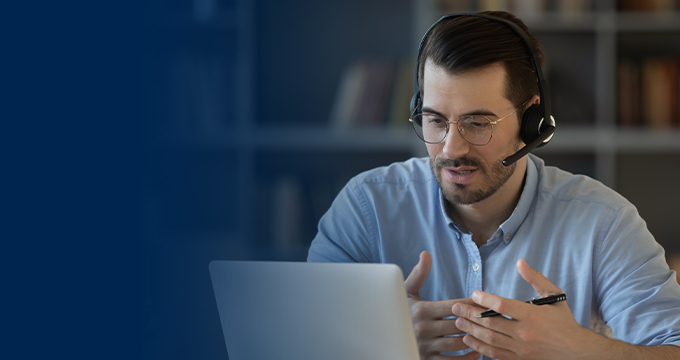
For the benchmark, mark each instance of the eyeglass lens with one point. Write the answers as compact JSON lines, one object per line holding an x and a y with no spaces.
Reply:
{"x":433,"y":129}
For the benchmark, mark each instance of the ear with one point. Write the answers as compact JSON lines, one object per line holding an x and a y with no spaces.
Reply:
{"x":535,"y":100}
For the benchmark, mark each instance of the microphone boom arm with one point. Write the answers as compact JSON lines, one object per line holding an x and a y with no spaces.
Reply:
{"x":530,"y":146}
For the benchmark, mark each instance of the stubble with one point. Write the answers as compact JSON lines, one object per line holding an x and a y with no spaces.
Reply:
{"x":461,"y":194}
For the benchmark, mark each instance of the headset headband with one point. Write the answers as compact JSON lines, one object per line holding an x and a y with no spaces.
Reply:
{"x":542,"y":84}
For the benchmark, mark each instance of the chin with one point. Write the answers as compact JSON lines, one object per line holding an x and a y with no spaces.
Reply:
{"x":460,"y":194}
{"x":467,"y":194}
{"x":484,"y":185}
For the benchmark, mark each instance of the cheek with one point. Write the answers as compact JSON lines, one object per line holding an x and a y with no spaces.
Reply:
{"x":504,"y":138}
{"x":508,"y":133}
{"x":434,"y":149}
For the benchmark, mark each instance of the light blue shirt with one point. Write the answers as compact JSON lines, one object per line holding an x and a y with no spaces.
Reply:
{"x":584,"y":237}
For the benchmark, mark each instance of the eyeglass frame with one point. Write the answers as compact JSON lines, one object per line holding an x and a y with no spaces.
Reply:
{"x":457,"y":127}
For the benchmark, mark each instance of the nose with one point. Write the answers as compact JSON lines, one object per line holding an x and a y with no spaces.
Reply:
{"x":454,"y":144}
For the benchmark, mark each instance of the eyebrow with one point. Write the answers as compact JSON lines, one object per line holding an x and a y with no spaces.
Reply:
{"x":484,"y":112}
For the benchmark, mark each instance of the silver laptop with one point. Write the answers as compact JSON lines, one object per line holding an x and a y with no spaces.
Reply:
{"x":305,"y":311}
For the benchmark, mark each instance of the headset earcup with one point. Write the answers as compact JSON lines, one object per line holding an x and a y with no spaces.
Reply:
{"x":531,"y":120}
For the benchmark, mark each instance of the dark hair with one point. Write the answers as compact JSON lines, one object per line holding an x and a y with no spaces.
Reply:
{"x":466,"y":43}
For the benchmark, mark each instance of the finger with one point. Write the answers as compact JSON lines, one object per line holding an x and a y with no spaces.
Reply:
{"x":486,"y":335}
{"x":431,"y":318}
{"x":436,"y":328}
{"x":472,"y":355}
{"x":467,"y":310}
{"x":443,"y":344}
{"x":488,"y":350}
{"x":416,"y":278}
{"x":514,"y":308}
{"x":437,"y":310}
{"x":496,"y":323}
{"x":540,"y":283}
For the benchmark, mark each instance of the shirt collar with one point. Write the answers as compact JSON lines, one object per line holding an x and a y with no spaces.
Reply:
{"x":510,"y":226}
{"x":452,"y":224}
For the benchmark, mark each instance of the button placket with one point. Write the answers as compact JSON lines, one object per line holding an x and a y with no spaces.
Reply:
{"x":474,"y":275}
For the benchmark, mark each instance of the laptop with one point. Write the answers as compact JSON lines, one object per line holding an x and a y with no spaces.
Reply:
{"x":310,"y":311}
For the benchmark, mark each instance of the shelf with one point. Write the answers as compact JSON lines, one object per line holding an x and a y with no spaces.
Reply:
{"x":602,"y":21}
{"x":643,"y":140}
{"x":648,"y":22}
{"x":370,"y":138}
{"x":561,"y":22}
{"x":567,"y":139}
{"x":307,"y":138}
{"x":584,"y":139}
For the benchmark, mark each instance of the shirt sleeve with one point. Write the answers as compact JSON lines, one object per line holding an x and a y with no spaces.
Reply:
{"x":345,"y":231}
{"x":636,"y":293}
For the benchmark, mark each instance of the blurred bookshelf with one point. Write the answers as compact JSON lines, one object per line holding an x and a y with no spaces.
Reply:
{"x":246,"y":86}
{"x":236,"y":94}
{"x":263,"y":106}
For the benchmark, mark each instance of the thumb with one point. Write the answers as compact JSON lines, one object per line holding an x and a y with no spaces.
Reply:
{"x":416,"y":278}
{"x":540,"y":283}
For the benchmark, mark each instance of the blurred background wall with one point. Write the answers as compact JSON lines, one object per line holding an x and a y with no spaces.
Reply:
{"x":264,"y":109}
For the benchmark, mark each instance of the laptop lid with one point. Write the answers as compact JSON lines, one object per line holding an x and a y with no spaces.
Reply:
{"x":305,"y":311}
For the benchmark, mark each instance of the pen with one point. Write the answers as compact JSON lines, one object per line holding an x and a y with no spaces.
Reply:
{"x":550,"y":299}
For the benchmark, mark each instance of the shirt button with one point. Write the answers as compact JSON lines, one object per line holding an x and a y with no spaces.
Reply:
{"x":496,"y":235}
{"x":508,"y":237}
{"x":475,"y":267}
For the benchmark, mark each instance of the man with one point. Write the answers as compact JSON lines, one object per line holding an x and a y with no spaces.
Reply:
{"x":491,"y":236}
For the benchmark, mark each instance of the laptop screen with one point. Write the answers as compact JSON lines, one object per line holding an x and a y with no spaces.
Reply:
{"x":290,"y":310}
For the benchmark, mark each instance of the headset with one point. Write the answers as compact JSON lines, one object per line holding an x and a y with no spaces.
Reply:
{"x":533,"y":130}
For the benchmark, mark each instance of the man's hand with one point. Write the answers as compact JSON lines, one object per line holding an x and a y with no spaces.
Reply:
{"x":533,"y":332}
{"x":428,"y":317}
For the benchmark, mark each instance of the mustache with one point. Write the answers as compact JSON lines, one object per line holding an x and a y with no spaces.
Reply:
{"x":461,"y":161}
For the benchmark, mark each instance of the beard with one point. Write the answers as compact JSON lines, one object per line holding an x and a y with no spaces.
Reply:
{"x":460,"y":194}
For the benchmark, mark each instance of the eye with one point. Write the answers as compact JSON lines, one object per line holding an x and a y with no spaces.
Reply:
{"x":477,"y":122}
{"x":434,"y":120}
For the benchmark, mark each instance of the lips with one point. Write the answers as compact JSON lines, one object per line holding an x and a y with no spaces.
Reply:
{"x":460,"y":175}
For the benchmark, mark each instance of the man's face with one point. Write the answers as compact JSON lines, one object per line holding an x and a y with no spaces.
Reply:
{"x":466,"y":173}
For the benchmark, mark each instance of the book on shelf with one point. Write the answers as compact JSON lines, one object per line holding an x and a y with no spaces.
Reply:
{"x":378,"y":85}
{"x":363,"y":94}
{"x":646,"y":5}
{"x":528,"y":8}
{"x":649,"y":92}
{"x":292,"y":206}
{"x":485,"y":5}
{"x":573,"y":6}
{"x":522,"y":8}
{"x":402,"y":92}
{"x":347,"y":96}
{"x":629,"y":93}
{"x":659,"y":92}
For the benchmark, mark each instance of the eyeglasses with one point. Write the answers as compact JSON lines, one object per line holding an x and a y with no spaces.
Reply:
{"x":475,"y":129}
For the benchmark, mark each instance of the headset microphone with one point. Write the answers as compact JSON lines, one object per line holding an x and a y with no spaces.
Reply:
{"x":541,"y":140}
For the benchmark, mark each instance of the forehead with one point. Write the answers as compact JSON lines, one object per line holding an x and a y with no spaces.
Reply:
{"x":454,"y":93}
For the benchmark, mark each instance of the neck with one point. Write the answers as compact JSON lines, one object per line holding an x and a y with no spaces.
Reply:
{"x":484,"y":217}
